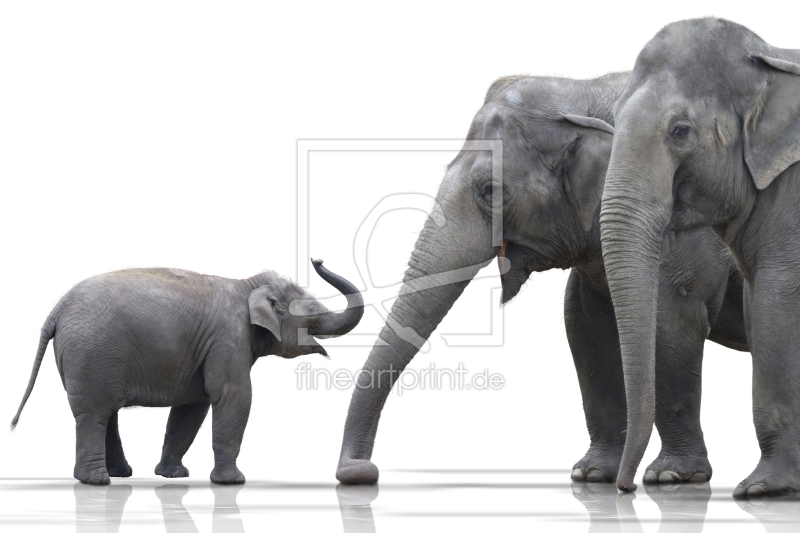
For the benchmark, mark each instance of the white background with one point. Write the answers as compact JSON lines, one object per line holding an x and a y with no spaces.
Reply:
{"x":164,"y":134}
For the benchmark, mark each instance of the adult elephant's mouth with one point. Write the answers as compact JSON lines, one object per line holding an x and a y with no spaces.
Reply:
{"x":501,"y":255}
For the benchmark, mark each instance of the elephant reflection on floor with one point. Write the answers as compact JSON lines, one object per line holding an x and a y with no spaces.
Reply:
{"x":683,"y":507}
{"x":776,"y":515}
{"x":99,"y":508}
{"x":355,"y":506}
{"x":176,"y":518}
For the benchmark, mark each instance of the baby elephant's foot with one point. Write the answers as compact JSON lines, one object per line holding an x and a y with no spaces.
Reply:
{"x":597,"y":466}
{"x":171,"y":468}
{"x":227,"y":475}
{"x":122,"y":469}
{"x":770,"y":478}
{"x":678,"y":469}
{"x":356,"y":471}
{"x":93,"y":475}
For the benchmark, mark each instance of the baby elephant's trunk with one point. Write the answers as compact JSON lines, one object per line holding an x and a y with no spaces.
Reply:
{"x":337,"y":324}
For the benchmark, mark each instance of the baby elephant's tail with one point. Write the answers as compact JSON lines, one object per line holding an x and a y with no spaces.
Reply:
{"x":48,"y":331}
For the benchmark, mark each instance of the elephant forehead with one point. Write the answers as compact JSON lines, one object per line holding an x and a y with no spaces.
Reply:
{"x":704,"y":40}
{"x":663,"y":97}
{"x":708,"y":57}
{"x":306,"y":305}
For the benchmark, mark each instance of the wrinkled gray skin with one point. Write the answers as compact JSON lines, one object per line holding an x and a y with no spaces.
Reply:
{"x":708,"y":134}
{"x":557,"y":137}
{"x":165,"y":337}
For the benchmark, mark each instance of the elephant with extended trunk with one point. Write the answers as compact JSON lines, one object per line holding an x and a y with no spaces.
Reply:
{"x":557,"y":136}
{"x":708,"y":135}
{"x":162,"y":337}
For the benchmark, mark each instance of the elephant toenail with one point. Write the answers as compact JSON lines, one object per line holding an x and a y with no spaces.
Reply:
{"x":650,"y":477}
{"x":755,"y":491}
{"x":668,"y":476}
{"x":698,"y":477}
{"x":577,"y":475}
{"x":595,"y":475}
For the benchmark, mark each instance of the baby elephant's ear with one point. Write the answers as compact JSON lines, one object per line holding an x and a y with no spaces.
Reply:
{"x":262,"y":310}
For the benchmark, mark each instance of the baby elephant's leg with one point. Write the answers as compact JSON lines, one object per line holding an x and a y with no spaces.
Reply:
{"x":90,"y":447}
{"x":182,"y":426}
{"x":96,"y":391}
{"x":228,"y":386}
{"x":229,"y":420}
{"x":116,"y":464}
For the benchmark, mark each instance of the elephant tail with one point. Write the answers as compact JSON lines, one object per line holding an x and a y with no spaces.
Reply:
{"x":48,"y":332}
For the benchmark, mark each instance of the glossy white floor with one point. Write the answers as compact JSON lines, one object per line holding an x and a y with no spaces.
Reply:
{"x":419,"y":500}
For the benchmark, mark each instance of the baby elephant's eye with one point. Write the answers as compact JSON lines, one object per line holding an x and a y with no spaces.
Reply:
{"x":680,"y":131}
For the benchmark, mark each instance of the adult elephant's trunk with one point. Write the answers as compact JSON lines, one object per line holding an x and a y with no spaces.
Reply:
{"x":337,"y":324}
{"x":636,"y":207}
{"x":444,"y":261}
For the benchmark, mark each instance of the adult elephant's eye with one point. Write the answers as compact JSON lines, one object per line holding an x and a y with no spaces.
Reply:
{"x":487,"y":193}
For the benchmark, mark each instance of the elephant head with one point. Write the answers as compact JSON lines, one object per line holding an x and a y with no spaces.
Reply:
{"x":710,"y":117}
{"x":556,"y":140}
{"x":293,"y":317}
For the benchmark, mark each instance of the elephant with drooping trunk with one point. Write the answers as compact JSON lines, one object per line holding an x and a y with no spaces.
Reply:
{"x":556,"y":140}
{"x":708,"y":135}
{"x":160,"y":337}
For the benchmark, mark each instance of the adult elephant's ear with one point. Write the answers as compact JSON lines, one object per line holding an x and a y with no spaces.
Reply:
{"x":772,"y":124}
{"x":262,"y":303}
{"x":585,"y":164}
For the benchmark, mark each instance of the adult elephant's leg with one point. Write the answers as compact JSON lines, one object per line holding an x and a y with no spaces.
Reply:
{"x":680,"y":336}
{"x":182,"y":426}
{"x":772,"y":305}
{"x":116,"y":464}
{"x":592,"y":334}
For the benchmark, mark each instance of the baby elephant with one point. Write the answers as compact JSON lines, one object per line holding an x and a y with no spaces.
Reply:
{"x":164,"y":337}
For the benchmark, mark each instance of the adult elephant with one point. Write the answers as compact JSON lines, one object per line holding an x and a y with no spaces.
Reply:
{"x":708,"y":134}
{"x":557,"y":137}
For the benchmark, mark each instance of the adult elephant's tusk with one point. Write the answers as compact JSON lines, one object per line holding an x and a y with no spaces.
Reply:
{"x":502,"y":261}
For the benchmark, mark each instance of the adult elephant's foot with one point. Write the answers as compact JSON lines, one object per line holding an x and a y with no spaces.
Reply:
{"x":171,"y":468}
{"x":356,"y":471}
{"x":678,"y":469}
{"x":772,"y":477}
{"x":598,"y":465}
{"x":227,"y":475}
